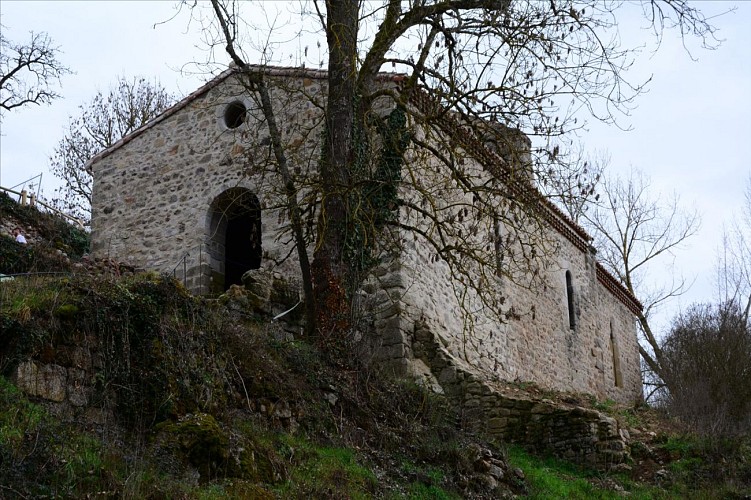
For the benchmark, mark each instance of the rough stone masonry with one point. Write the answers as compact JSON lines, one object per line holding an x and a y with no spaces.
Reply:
{"x":174,"y":195}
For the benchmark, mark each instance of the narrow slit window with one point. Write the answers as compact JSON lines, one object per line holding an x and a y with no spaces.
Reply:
{"x":498,"y":242}
{"x":617,"y":376}
{"x":570,"y":301}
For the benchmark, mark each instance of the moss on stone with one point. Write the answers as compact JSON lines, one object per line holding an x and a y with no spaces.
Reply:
{"x":203,"y":442}
{"x":66,"y":311}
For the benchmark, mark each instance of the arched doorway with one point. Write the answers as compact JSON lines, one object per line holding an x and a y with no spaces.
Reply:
{"x":234,"y":236}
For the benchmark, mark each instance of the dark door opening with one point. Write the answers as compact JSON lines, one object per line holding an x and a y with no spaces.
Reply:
{"x":242,"y":245}
{"x":233,"y":237}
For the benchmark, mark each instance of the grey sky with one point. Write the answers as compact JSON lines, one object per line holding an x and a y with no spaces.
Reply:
{"x":691,"y":131}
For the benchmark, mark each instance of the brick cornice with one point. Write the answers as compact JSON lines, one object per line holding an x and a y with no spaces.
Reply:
{"x":616,"y":288}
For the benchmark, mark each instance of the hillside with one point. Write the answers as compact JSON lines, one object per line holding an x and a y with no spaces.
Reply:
{"x":121,"y":384}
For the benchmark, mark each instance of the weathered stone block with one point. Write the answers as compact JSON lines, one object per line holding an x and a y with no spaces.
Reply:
{"x":448,"y":375}
{"x":392,"y":324}
{"x":46,"y":381}
{"x":497,"y":424}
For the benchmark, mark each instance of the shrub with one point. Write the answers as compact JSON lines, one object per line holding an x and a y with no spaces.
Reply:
{"x":707,"y":369}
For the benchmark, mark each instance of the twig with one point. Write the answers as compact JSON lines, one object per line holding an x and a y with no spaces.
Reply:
{"x":247,"y":398}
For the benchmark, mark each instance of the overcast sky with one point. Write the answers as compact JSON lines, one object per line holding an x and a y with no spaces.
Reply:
{"x":691,"y":133}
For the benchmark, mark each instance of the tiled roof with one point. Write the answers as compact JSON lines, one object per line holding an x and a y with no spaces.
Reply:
{"x":617,"y":289}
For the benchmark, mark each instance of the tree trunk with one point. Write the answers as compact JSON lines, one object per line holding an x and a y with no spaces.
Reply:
{"x":292,"y":205}
{"x":330,"y":267}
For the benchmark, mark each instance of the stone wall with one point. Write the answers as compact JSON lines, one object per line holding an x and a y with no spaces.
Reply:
{"x":69,"y":374}
{"x":535,"y":335}
{"x":65,"y":378}
{"x":156,"y":196}
{"x":160,"y":195}
{"x":533,"y":344}
{"x":566,"y":430}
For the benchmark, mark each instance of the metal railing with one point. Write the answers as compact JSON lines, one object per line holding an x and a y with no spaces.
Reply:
{"x":30,"y":199}
{"x":184,"y":261}
{"x":193,"y":259}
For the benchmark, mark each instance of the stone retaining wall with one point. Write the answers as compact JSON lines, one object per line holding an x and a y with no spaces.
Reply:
{"x":66,"y":379}
{"x":565,"y":430}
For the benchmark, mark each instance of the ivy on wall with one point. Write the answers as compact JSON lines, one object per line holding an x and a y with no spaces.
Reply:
{"x":373,"y":199}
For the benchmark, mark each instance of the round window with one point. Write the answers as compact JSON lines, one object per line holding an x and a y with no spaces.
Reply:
{"x":234,"y":114}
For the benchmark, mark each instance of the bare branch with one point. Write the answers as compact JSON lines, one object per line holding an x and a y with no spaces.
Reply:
{"x":634,"y":230}
{"x":101,"y":123}
{"x":29,"y":72}
{"x":498,"y":72}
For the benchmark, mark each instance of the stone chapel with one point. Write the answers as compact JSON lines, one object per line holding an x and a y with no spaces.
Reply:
{"x":189,"y":194}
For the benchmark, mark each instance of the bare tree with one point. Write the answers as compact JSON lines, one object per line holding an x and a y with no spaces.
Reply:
{"x":476,"y":72}
{"x":28,"y":71}
{"x":734,"y":260}
{"x":634,"y":231}
{"x":574,"y":187}
{"x":104,"y":120}
{"x":706,"y":359}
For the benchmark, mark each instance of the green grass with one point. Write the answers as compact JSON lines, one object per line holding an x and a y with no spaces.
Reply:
{"x":631,"y":418}
{"x":550,"y":478}
{"x":18,"y":417}
{"x":24,"y":294}
{"x":429,"y":485}
{"x":40,"y":456}
{"x":680,"y":445}
{"x":324,"y":471}
{"x":420,"y":491}
{"x":607,"y":406}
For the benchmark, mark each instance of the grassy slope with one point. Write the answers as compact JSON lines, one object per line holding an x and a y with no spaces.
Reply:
{"x":203,"y":399}
{"x":56,"y":240}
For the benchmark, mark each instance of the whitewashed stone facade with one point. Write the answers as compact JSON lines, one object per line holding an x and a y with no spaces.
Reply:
{"x":169,"y":197}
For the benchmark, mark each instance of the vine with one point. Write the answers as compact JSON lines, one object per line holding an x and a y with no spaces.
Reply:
{"x":373,"y":200}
